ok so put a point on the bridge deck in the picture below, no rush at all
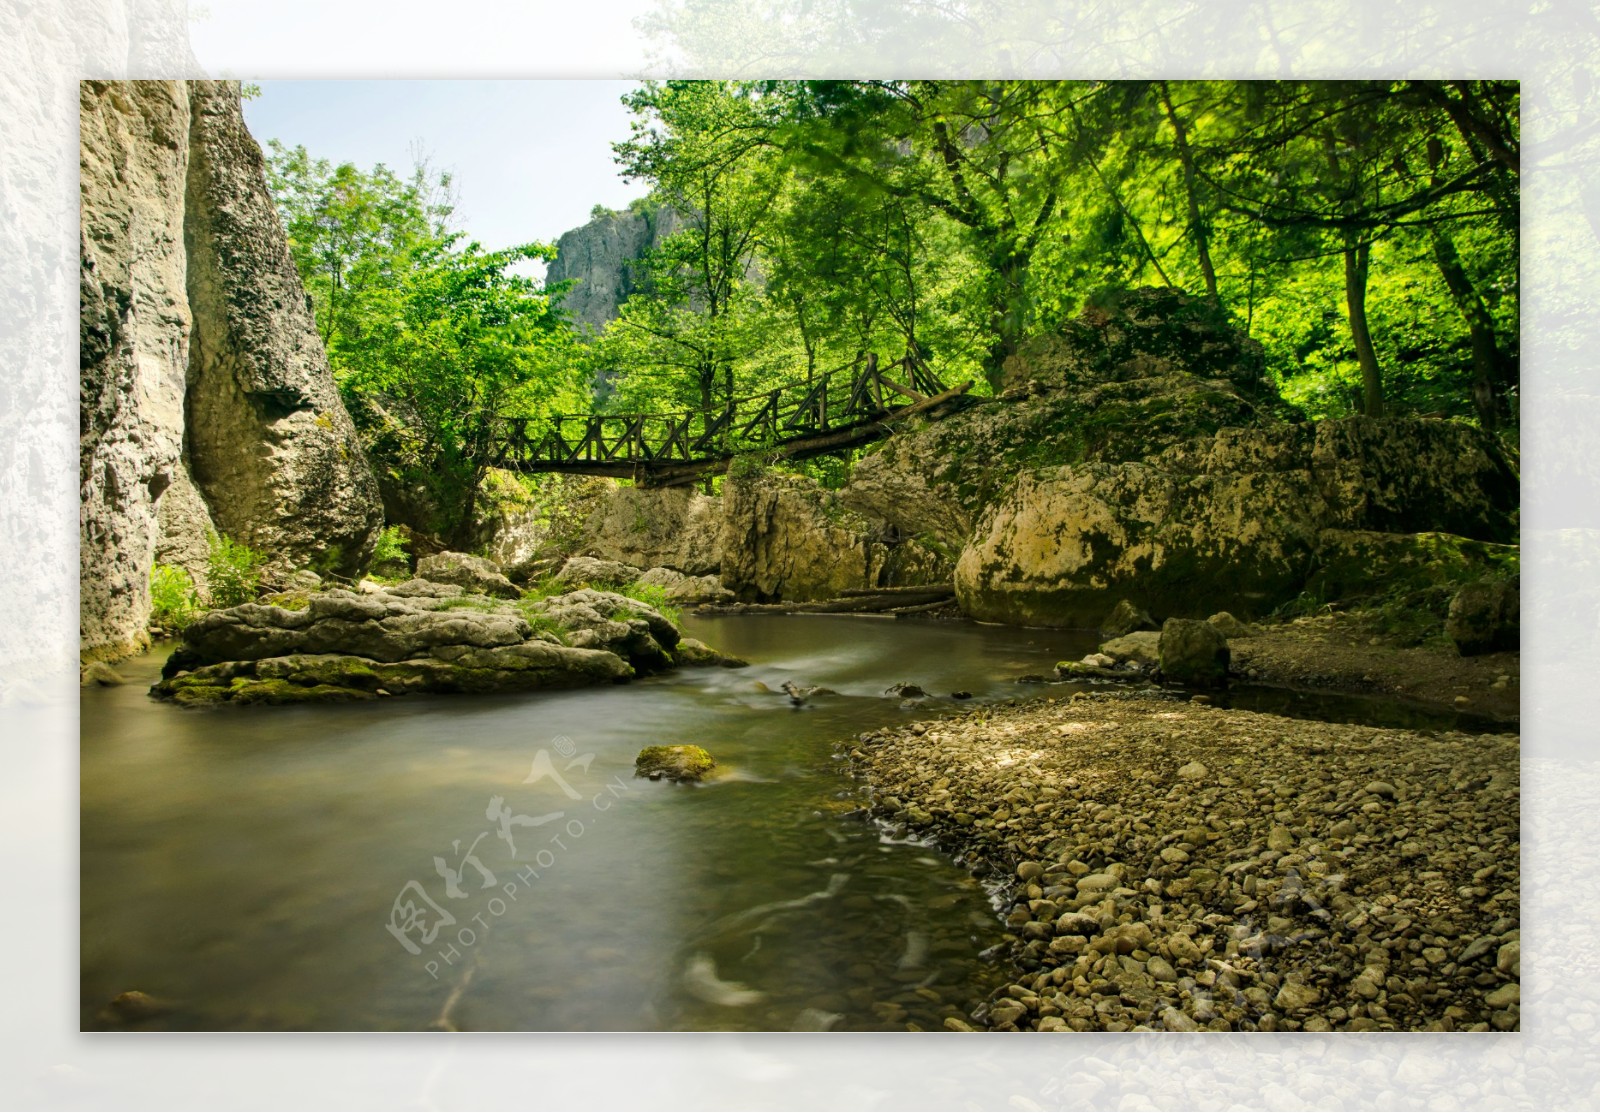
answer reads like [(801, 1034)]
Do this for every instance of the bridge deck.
[(793, 422)]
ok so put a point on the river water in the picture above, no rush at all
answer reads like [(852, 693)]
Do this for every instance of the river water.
[(245, 866)]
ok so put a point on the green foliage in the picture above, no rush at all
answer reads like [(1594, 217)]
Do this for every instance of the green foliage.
[(391, 547), (1364, 232), (436, 342), (233, 571), (174, 603)]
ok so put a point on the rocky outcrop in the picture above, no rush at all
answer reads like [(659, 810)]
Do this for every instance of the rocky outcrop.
[(417, 637), (205, 397), (787, 539), (582, 571), (599, 259), (682, 589), (632, 630), (1486, 616), (1240, 514), (1118, 384), (134, 345), (1194, 653), (653, 527), (269, 443)]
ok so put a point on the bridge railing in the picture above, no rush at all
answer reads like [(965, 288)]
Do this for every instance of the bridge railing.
[(845, 397)]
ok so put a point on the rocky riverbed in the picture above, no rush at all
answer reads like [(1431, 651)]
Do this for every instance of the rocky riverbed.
[(1164, 864)]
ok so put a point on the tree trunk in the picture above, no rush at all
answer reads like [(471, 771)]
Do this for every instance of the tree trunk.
[(1356, 258), (1196, 225), (1488, 366)]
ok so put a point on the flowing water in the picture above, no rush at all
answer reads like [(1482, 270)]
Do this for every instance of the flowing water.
[(244, 866)]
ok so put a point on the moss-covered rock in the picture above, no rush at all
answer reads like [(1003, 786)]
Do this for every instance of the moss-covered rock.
[(1485, 617), (1193, 653), (696, 653), (673, 763)]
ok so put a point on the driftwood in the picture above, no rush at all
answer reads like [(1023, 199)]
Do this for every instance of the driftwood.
[(914, 589), (898, 601)]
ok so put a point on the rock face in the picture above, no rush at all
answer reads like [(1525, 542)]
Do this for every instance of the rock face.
[(1241, 512), (269, 442), (673, 527), (580, 570), (599, 258), (687, 589), (134, 345), (205, 397), (787, 539), (349, 646)]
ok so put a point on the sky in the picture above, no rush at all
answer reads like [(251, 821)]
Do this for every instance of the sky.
[(530, 158)]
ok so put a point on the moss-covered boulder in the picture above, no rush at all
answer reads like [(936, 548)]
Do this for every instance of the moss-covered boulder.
[(1486, 617), (1125, 618), (684, 764)]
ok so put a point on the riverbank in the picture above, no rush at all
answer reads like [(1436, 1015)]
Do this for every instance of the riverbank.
[(1172, 865), (1348, 653)]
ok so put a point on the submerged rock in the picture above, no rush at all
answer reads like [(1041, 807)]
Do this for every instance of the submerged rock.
[(674, 763), (1193, 653), (693, 652), (100, 673)]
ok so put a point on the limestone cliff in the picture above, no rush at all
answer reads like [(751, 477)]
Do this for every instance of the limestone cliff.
[(674, 527), (134, 344), (269, 442), (598, 257), (205, 395)]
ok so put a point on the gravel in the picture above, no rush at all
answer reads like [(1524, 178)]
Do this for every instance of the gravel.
[(1166, 865)]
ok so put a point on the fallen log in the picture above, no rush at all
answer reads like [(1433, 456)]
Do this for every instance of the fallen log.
[(862, 604), (914, 589)]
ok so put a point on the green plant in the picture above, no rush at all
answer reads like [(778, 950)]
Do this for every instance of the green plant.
[(174, 603), (750, 465), (391, 547), (233, 571), (655, 597)]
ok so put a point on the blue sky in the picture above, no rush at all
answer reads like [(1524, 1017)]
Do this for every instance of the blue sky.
[(530, 158)]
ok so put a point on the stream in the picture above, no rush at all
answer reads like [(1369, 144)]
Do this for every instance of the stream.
[(243, 866), (491, 863)]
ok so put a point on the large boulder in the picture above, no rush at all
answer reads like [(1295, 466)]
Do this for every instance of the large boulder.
[(633, 630), (1486, 617), (582, 571), (686, 590), (133, 348), (340, 645), (269, 443), (1240, 513), (657, 527), (474, 573), (1193, 652), (1125, 618), (785, 538)]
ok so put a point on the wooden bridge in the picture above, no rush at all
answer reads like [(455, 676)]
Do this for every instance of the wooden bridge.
[(839, 409)]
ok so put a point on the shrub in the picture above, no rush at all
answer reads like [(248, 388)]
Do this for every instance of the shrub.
[(233, 571), (173, 600), (391, 547)]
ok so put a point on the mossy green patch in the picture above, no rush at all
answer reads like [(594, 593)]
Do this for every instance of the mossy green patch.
[(673, 763)]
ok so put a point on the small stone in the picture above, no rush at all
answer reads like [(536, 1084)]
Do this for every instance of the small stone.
[(1296, 995), (1194, 771), (1027, 871), (956, 1024), (1160, 969), (1508, 994), (1508, 960), (1364, 987), (1280, 838), (1174, 1020), (1380, 788)]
